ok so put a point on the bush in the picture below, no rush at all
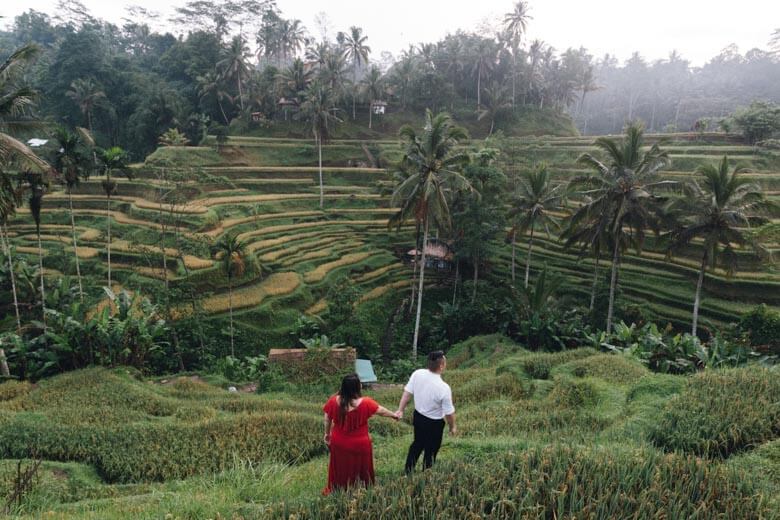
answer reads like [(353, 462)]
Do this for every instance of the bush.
[(762, 326), (480, 351), (500, 386), (538, 366), (553, 482), (721, 413), (571, 393), (609, 367), (12, 389)]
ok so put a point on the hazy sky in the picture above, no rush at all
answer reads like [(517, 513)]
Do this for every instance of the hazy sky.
[(698, 29)]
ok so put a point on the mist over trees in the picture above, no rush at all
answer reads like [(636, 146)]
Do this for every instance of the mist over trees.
[(130, 84)]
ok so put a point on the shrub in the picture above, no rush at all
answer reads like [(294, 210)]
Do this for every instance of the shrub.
[(538, 366), (480, 350), (762, 326), (721, 413), (573, 393), (12, 389), (553, 482), (609, 367), (505, 385)]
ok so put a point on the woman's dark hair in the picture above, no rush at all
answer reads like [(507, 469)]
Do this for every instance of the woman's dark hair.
[(350, 389)]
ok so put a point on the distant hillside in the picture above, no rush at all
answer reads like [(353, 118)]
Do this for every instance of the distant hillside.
[(527, 121)]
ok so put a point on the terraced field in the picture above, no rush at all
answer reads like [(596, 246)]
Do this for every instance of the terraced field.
[(266, 191)]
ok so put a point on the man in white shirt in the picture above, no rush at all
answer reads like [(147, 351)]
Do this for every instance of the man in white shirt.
[(433, 405)]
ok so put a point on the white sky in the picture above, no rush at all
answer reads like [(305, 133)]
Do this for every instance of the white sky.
[(698, 29)]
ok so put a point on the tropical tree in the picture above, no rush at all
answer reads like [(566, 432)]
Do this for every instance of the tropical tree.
[(234, 64), (516, 23), (72, 163), (717, 208), (36, 184), (232, 254), (355, 49), (484, 62), (435, 166), (532, 207), (113, 160), (494, 104), (619, 192), (88, 96), (373, 86), (212, 83), (318, 110), (15, 100), (291, 36), (592, 238), (293, 79)]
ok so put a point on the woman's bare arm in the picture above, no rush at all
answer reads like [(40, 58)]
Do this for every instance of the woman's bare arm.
[(327, 423), (384, 412)]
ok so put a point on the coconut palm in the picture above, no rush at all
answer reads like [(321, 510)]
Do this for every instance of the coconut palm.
[(494, 103), (484, 61), (435, 166), (355, 49), (36, 185), (592, 237), (717, 208), (234, 63), (232, 254), (72, 164), (293, 79), (516, 23), (532, 208), (373, 86), (87, 95), (113, 160), (619, 192), (212, 83), (318, 110), (292, 36)]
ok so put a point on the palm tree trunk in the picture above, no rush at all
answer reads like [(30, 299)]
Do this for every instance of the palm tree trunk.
[(528, 257), (370, 115), (420, 293), (476, 278), (240, 94), (595, 284), (219, 102), (354, 90), (514, 74), (416, 264), (319, 147), (7, 247), (492, 122), (479, 87), (108, 237), (43, 289), (75, 244), (230, 306), (455, 285), (514, 249), (612, 284), (697, 299)]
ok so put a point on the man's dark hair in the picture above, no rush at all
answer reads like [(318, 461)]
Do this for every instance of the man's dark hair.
[(435, 360)]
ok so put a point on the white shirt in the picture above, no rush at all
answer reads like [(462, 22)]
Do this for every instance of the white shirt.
[(432, 396)]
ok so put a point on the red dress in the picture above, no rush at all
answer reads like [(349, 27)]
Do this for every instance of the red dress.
[(351, 453)]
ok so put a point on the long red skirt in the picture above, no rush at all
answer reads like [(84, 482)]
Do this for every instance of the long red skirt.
[(351, 462)]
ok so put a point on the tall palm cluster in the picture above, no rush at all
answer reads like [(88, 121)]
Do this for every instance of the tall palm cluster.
[(604, 213)]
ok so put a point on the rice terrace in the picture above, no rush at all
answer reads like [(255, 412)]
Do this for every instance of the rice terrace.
[(213, 213)]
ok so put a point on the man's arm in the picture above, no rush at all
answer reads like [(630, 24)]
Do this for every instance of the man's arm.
[(451, 422), (405, 398)]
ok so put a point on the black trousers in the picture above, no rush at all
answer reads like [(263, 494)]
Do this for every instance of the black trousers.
[(427, 438)]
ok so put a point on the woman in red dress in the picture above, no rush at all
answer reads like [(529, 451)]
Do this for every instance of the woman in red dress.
[(346, 434)]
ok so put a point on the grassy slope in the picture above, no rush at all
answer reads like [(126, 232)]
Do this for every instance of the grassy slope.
[(510, 403)]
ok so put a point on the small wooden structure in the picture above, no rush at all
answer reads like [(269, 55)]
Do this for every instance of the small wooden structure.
[(438, 255), (378, 107), (257, 117), (287, 104)]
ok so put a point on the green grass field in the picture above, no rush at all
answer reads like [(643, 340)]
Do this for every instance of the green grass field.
[(573, 434)]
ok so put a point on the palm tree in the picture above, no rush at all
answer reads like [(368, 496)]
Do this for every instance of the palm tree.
[(484, 60), (113, 159), (87, 95), (72, 164), (291, 37), (355, 48), (318, 111), (494, 104), (717, 210), (592, 237), (536, 52), (533, 204), (212, 83), (15, 100), (619, 193), (515, 24), (234, 63), (36, 185), (435, 165), (373, 87), (293, 79), (232, 254)]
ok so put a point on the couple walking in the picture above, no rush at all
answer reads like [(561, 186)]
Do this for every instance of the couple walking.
[(346, 424)]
